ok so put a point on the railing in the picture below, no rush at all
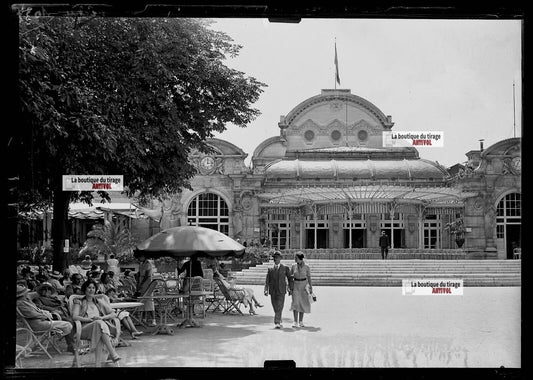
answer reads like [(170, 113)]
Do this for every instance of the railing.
[(375, 253)]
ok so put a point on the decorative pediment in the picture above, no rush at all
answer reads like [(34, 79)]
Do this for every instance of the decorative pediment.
[(363, 125)]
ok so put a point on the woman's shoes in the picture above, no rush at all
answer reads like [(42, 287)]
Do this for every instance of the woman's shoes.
[(135, 334), (301, 324), (116, 358), (258, 305), (252, 312), (295, 324)]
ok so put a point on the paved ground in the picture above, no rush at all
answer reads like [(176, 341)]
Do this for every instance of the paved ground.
[(349, 327)]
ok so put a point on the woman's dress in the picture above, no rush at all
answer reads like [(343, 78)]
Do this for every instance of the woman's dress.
[(300, 297), (93, 330)]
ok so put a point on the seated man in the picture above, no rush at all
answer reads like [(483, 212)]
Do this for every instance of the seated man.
[(47, 299), (40, 320), (129, 284), (248, 292), (76, 280)]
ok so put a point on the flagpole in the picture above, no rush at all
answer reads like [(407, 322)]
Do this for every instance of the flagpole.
[(514, 113), (335, 72)]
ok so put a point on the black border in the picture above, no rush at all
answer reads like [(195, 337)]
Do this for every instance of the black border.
[(276, 12)]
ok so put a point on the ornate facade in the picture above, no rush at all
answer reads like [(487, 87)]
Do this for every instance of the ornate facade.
[(326, 181)]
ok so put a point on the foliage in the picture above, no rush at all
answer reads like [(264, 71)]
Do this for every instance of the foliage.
[(256, 254), (456, 228), (103, 95), (109, 238)]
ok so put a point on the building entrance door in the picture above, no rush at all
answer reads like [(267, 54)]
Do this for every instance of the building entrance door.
[(322, 238), (398, 238), (513, 239), (358, 238)]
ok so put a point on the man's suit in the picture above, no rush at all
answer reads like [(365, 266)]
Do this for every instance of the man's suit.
[(276, 285)]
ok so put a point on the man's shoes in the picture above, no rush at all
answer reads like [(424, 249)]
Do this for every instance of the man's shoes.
[(278, 326), (302, 324), (258, 305)]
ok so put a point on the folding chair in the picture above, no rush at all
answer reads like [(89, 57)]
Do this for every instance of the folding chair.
[(39, 340), (82, 345), (157, 286), (232, 297), (23, 344), (216, 299)]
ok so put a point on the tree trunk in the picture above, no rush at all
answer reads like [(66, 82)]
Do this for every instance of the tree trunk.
[(59, 226)]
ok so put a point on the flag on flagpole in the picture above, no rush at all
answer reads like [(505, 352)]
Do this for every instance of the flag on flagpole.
[(337, 77)]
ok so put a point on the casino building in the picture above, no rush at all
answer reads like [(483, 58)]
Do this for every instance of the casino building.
[(327, 182)]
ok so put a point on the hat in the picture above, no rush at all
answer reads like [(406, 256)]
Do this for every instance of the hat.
[(43, 286), (21, 290), (276, 253), (55, 274)]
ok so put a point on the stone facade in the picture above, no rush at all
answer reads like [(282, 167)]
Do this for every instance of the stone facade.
[(334, 141)]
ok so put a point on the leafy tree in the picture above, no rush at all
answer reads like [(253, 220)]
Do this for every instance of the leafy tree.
[(121, 96)]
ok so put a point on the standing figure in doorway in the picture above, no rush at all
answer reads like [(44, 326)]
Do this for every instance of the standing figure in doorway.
[(384, 244), (277, 279)]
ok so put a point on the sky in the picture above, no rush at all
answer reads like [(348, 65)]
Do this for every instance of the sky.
[(454, 76)]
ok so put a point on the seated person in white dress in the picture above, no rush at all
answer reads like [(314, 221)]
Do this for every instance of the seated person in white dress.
[(123, 315), (95, 313), (248, 292)]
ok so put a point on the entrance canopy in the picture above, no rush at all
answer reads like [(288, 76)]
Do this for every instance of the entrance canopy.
[(300, 196)]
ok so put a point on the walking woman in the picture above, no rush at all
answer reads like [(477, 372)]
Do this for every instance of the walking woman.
[(301, 274)]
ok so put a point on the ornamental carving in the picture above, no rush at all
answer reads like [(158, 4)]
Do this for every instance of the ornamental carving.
[(512, 165)]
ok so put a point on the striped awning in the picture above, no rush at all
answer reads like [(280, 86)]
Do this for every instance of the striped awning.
[(96, 211), (434, 196)]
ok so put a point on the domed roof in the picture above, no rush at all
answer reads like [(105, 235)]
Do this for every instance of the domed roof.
[(356, 169)]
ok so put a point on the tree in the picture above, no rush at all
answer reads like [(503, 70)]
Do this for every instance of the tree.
[(121, 96)]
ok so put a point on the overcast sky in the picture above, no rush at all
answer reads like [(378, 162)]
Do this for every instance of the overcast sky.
[(454, 76)]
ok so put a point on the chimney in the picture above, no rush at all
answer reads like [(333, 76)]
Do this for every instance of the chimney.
[(481, 145)]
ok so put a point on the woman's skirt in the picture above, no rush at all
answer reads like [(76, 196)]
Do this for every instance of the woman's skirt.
[(300, 298), (94, 330)]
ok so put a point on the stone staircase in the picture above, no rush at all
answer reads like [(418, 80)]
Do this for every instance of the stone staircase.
[(391, 272)]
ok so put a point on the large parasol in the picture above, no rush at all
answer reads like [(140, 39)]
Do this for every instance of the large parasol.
[(186, 241)]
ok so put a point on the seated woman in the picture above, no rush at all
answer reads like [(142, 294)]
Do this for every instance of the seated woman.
[(47, 299), (248, 293), (95, 314), (123, 315)]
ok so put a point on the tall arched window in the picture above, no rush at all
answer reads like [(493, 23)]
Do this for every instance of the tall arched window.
[(508, 222), (210, 211)]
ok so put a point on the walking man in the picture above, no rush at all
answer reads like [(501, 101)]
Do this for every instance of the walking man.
[(277, 279), (384, 244)]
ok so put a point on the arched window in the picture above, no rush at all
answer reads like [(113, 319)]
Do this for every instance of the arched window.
[(508, 222), (210, 211)]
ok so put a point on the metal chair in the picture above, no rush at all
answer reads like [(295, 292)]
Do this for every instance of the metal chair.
[(197, 285)]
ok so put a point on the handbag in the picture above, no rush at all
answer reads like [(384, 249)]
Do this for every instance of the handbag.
[(311, 295)]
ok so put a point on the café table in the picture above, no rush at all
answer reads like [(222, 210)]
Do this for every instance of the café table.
[(165, 303), (189, 321)]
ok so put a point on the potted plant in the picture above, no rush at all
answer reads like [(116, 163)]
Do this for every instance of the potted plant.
[(457, 228)]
